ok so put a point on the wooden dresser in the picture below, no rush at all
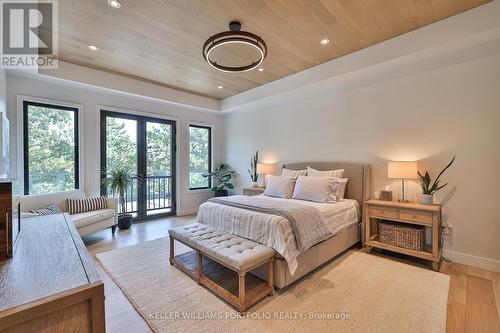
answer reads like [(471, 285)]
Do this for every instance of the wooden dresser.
[(51, 284)]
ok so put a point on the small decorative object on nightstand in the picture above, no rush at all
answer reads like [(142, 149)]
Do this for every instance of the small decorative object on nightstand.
[(416, 214), (251, 191)]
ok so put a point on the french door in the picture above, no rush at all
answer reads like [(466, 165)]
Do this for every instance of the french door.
[(146, 147)]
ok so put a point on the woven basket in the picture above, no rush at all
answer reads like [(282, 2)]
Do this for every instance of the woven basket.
[(403, 235)]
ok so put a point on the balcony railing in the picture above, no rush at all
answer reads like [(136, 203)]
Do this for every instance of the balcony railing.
[(158, 194)]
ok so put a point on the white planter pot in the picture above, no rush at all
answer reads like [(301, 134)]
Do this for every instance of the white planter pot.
[(427, 199), (255, 184)]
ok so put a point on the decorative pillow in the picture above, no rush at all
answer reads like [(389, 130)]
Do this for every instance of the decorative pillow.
[(76, 206), (330, 173), (318, 189), (280, 187), (49, 210), (341, 190), (293, 173)]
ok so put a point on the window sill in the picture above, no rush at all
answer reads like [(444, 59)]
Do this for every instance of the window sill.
[(199, 191)]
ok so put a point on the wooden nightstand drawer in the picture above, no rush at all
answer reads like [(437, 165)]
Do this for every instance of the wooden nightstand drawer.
[(384, 212), (415, 216)]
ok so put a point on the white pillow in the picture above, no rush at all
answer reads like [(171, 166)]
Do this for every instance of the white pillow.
[(330, 173), (318, 189), (280, 186), (293, 173), (341, 190)]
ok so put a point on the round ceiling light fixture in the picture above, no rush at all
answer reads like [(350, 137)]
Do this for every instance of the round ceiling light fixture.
[(114, 4), (234, 37)]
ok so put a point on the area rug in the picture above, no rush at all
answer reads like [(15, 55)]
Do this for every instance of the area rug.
[(358, 293)]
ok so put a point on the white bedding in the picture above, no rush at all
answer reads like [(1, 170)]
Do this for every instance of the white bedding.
[(338, 216), (276, 231)]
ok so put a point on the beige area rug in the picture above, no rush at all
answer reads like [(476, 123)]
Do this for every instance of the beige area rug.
[(358, 293)]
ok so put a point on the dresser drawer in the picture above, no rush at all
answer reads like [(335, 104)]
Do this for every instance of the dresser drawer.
[(384, 212), (415, 216)]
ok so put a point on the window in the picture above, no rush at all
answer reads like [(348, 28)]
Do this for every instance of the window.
[(50, 138), (200, 156)]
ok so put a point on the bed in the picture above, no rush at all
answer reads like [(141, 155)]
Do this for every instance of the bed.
[(292, 260)]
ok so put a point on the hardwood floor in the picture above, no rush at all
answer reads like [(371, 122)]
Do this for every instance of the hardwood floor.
[(473, 300)]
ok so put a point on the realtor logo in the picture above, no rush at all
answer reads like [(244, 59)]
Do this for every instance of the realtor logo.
[(29, 34)]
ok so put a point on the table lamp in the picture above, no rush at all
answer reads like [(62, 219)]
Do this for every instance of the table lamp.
[(402, 170), (266, 169)]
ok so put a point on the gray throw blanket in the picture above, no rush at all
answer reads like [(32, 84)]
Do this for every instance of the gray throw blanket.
[(308, 225)]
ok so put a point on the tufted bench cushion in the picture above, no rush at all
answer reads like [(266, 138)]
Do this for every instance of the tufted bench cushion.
[(234, 252)]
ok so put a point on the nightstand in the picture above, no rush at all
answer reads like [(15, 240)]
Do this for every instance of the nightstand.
[(251, 191), (414, 213)]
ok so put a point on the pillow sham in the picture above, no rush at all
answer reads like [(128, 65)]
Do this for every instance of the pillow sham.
[(293, 173), (317, 189), (341, 190), (329, 173), (280, 187)]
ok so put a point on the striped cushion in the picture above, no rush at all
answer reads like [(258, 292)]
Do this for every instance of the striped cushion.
[(52, 209), (76, 206)]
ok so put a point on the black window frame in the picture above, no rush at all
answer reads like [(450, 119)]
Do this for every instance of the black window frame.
[(209, 128), (141, 163), (26, 105)]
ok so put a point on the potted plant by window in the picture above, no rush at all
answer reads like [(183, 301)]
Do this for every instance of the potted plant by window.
[(119, 180), (253, 170), (428, 190), (221, 180)]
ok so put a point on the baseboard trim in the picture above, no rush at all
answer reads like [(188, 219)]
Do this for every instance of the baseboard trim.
[(468, 259), (187, 212)]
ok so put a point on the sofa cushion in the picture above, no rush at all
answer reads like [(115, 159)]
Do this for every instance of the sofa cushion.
[(87, 218), (35, 201)]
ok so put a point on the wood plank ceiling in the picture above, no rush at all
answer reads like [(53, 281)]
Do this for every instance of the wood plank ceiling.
[(161, 41)]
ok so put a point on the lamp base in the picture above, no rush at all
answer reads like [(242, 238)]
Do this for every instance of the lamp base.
[(403, 201)]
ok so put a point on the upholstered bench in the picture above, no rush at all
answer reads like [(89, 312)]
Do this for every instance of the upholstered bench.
[(238, 254)]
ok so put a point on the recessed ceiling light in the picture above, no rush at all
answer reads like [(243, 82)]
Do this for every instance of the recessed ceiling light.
[(220, 87), (260, 69), (324, 41), (93, 47), (114, 3)]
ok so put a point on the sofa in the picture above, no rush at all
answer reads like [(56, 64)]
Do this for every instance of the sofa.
[(87, 222)]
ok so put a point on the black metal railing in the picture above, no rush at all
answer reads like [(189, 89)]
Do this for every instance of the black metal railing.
[(158, 194)]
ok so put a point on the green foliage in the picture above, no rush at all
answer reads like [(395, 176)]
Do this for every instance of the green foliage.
[(119, 180), (222, 177), (199, 157), (51, 142), (425, 181), (253, 167)]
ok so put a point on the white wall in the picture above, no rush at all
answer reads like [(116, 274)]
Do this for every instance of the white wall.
[(90, 98), (427, 109)]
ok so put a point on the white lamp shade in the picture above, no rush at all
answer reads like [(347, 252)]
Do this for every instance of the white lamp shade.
[(402, 169), (266, 168)]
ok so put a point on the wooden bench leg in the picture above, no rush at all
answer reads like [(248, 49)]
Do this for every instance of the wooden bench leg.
[(171, 258), (270, 276), (241, 294), (200, 266)]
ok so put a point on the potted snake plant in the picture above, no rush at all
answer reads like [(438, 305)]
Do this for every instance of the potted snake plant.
[(428, 190), (254, 176), (118, 180)]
